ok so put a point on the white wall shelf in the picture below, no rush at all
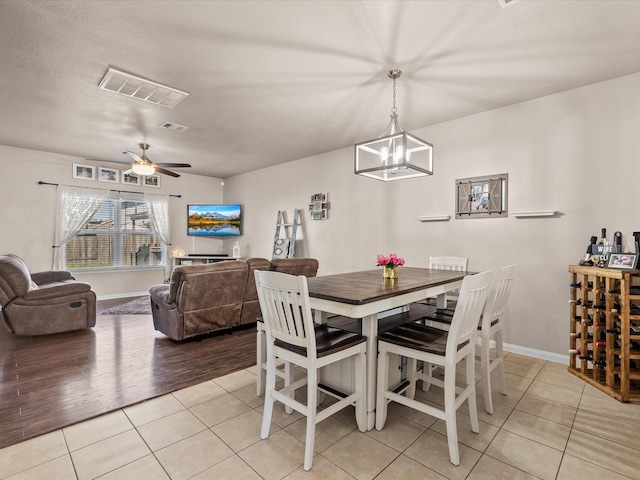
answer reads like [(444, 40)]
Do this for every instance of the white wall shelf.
[(544, 213), (437, 218)]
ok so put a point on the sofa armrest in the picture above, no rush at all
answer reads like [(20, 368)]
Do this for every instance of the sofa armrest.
[(42, 278), (56, 291), (161, 294)]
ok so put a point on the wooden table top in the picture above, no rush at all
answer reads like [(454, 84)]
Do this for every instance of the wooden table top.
[(358, 288)]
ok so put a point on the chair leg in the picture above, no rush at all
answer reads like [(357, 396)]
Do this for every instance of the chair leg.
[(412, 365), (450, 413), (471, 384), (288, 380), (361, 403), (485, 363), (261, 359), (267, 412), (500, 359), (383, 380), (428, 370), (312, 402)]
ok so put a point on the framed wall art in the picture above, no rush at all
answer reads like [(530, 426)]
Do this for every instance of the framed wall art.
[(319, 206), (130, 178), (482, 197), (85, 172), (151, 181), (108, 175)]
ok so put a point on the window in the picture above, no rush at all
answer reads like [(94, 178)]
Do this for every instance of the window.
[(118, 235)]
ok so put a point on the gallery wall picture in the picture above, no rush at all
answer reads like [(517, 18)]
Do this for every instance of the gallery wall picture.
[(110, 175), (130, 178), (151, 181), (84, 172)]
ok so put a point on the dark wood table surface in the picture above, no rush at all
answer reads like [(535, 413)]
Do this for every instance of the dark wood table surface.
[(358, 288)]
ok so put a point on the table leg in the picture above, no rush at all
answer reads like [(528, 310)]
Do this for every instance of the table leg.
[(370, 330), (441, 301)]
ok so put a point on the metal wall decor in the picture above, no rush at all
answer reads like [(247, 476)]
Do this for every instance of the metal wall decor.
[(482, 197)]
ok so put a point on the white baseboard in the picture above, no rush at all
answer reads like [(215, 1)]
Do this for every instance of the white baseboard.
[(122, 295), (532, 352)]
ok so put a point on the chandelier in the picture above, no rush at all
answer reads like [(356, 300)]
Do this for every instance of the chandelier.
[(395, 154)]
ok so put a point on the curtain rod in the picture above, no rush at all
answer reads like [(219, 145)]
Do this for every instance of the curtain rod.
[(111, 190)]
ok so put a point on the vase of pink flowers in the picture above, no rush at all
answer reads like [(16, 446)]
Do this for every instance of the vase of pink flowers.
[(390, 265)]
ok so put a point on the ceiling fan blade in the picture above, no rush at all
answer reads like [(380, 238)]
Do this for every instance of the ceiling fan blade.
[(135, 156), (166, 172), (174, 165)]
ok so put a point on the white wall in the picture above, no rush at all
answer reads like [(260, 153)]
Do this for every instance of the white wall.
[(27, 214), (575, 152)]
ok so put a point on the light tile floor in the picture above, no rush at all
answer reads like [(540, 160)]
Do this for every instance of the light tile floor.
[(552, 425)]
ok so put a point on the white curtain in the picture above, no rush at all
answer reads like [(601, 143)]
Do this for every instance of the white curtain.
[(76, 205), (158, 206)]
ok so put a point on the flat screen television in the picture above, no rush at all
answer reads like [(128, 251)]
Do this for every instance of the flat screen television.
[(214, 220)]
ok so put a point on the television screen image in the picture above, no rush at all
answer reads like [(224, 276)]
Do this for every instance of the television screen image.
[(221, 220)]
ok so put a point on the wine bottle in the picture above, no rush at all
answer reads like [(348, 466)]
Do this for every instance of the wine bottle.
[(603, 238), (633, 330), (579, 284)]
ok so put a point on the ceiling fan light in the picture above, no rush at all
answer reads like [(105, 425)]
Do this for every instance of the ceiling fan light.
[(140, 169)]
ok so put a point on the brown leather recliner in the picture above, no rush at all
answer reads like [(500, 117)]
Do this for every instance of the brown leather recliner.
[(251, 306), (43, 302), (295, 266), (199, 299)]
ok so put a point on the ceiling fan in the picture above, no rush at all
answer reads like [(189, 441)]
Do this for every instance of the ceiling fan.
[(143, 166)]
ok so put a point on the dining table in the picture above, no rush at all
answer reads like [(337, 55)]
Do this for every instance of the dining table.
[(368, 296)]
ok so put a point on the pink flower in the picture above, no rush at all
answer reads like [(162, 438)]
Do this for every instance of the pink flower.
[(392, 260)]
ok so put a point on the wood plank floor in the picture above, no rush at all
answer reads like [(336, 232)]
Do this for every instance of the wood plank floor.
[(51, 381)]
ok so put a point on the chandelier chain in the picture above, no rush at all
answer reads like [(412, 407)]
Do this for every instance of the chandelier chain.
[(394, 110)]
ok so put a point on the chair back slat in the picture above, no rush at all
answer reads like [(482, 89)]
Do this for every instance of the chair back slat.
[(285, 308), (498, 297), (449, 263), (473, 296)]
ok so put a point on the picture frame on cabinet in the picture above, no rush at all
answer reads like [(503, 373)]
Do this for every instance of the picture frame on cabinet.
[(84, 172), (622, 261), (110, 175)]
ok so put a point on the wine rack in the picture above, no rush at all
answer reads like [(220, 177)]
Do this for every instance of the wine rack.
[(604, 329)]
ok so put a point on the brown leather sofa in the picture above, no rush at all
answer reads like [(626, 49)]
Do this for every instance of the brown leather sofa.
[(202, 299), (44, 302)]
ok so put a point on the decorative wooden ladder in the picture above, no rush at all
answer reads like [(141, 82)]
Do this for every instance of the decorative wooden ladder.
[(285, 247)]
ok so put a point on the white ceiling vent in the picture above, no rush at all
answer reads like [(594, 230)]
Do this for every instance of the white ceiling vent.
[(142, 89), (174, 127), (506, 3)]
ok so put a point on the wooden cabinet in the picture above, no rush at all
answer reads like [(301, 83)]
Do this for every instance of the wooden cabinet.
[(604, 343)]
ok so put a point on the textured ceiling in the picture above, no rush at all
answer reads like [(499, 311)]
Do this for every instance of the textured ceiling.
[(271, 81)]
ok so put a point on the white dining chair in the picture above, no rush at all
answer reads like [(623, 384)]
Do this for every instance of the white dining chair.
[(443, 348), (491, 330), (458, 264), (292, 336), (491, 327)]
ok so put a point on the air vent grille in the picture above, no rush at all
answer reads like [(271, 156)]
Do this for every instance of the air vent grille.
[(174, 127), (136, 87)]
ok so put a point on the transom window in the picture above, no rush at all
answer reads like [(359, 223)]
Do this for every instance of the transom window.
[(118, 235)]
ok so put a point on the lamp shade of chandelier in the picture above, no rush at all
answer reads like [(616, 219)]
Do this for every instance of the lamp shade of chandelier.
[(395, 154)]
